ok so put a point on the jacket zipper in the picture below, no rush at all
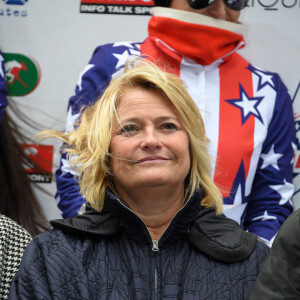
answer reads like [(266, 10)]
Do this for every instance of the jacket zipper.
[(155, 282), (154, 242), (155, 247)]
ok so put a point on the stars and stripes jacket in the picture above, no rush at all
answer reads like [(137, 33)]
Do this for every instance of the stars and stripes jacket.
[(247, 113)]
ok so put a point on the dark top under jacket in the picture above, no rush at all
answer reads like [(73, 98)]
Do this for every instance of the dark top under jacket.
[(110, 255)]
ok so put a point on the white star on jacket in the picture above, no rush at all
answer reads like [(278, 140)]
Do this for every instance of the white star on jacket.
[(235, 211), (87, 67), (66, 168), (264, 78), (122, 58), (1, 69), (286, 191), (294, 148), (265, 217), (133, 50), (70, 120), (126, 44), (271, 158), (248, 105)]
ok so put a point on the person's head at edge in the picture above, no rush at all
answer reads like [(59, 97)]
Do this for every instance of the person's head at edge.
[(144, 114), (218, 9)]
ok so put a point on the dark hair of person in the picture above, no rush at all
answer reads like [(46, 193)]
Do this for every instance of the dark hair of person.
[(17, 198)]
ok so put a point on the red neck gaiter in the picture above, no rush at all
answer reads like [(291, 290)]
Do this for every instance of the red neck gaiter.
[(196, 38)]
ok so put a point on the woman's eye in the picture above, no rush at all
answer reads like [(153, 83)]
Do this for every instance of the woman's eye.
[(169, 126), (128, 129)]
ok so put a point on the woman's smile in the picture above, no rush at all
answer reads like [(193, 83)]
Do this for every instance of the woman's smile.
[(152, 159)]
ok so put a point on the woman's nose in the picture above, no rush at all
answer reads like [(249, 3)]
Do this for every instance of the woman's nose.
[(150, 139)]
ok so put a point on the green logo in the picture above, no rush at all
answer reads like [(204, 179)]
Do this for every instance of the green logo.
[(22, 74)]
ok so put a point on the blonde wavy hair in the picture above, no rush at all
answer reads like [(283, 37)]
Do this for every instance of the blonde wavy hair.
[(88, 146)]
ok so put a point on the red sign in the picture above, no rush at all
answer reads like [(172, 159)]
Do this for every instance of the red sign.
[(120, 7), (42, 161)]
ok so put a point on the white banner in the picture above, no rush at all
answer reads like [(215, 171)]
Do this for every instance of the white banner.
[(57, 39)]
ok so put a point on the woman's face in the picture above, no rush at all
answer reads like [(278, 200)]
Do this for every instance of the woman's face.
[(217, 10), (149, 146)]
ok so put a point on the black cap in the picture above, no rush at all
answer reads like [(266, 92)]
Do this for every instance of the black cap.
[(163, 3)]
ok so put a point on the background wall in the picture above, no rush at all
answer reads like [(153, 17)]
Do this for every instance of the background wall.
[(56, 39)]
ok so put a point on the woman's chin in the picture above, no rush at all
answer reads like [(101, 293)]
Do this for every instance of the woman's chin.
[(155, 181)]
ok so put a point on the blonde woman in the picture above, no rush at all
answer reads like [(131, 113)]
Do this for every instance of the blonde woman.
[(154, 228)]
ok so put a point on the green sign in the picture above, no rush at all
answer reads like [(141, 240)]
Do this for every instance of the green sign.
[(22, 74)]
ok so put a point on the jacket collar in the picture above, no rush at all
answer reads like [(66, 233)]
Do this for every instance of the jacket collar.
[(136, 227), (89, 223), (198, 37), (221, 238), (116, 216), (217, 237)]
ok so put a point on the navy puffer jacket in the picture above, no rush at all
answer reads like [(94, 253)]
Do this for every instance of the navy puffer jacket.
[(111, 255)]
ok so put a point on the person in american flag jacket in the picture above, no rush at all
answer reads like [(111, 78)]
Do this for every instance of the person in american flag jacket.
[(247, 110)]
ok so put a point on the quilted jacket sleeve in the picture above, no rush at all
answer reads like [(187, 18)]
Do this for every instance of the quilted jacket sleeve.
[(54, 266), (31, 281)]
